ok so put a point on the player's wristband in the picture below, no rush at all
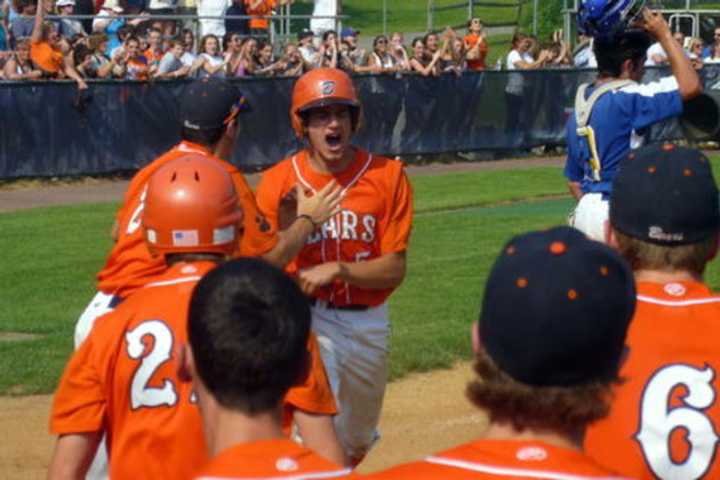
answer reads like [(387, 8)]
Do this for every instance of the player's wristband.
[(308, 218)]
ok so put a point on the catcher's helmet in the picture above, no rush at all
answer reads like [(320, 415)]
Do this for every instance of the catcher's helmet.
[(606, 18), (321, 87), (191, 206)]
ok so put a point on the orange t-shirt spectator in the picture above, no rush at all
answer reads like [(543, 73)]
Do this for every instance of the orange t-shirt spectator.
[(258, 9), (46, 49), (475, 45)]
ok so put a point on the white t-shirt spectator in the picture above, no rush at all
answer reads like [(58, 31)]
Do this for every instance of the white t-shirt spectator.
[(585, 58), (214, 62), (515, 82), (655, 50), (188, 59), (213, 8), (169, 63), (323, 8), (309, 54)]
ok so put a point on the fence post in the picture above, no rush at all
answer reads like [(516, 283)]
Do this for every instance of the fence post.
[(385, 18), (430, 9), (471, 9), (535, 15)]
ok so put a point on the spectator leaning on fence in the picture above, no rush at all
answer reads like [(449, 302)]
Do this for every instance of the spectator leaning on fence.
[(476, 46), (396, 48), (211, 62), (420, 63), (155, 51), (329, 50), (307, 50), (234, 45), (453, 60), (50, 52), (171, 64), (19, 66), (293, 64), (380, 59), (100, 65)]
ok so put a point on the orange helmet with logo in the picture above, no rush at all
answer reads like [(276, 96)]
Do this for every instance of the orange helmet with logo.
[(321, 87), (191, 206)]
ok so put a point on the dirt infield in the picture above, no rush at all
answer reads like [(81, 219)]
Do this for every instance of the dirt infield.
[(24, 195), (422, 414)]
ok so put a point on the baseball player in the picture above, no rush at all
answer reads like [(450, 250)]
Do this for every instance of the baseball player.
[(352, 262), (665, 418), (547, 354), (208, 111), (124, 379), (612, 114), (242, 367)]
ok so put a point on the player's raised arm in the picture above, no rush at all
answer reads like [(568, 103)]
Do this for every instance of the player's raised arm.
[(689, 84)]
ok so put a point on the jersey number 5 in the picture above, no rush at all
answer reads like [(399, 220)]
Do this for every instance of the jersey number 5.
[(658, 421), (141, 395)]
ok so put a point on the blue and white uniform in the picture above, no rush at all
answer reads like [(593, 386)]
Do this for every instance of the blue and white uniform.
[(616, 125)]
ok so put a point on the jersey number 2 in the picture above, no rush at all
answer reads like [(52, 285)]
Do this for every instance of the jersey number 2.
[(141, 395), (658, 420)]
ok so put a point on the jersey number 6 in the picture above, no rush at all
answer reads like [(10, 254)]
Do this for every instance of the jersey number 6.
[(658, 421)]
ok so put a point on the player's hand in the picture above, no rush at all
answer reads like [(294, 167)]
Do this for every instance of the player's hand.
[(321, 206), (318, 276), (655, 23)]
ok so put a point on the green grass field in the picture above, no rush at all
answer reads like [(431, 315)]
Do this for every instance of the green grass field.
[(462, 221), (411, 15)]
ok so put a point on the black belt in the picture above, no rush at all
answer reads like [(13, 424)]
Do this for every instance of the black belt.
[(316, 302)]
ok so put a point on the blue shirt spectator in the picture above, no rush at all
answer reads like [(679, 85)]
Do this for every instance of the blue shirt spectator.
[(619, 119)]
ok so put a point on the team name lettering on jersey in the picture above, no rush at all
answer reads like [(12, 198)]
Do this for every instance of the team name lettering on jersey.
[(347, 225)]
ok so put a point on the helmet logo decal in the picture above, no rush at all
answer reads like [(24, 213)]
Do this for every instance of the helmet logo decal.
[(327, 87)]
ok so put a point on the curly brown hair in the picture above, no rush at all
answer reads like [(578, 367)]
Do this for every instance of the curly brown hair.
[(565, 410)]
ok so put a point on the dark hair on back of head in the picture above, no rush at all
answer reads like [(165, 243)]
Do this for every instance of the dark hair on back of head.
[(612, 53), (248, 328), (206, 136)]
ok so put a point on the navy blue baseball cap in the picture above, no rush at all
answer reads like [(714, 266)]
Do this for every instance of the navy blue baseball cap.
[(210, 103), (666, 195), (348, 32), (556, 309)]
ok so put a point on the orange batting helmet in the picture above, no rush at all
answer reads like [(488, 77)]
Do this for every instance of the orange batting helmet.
[(321, 87), (191, 206)]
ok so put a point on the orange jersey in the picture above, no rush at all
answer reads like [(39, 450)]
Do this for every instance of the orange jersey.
[(471, 40), (124, 379), (375, 220), (277, 459), (486, 459), (153, 56), (265, 8), (130, 265), (665, 417)]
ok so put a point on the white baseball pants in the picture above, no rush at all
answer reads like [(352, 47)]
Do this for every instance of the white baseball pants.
[(354, 348), (590, 215)]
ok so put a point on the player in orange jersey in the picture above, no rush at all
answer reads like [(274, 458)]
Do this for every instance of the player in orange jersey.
[(123, 380), (351, 263), (243, 365), (208, 110), (665, 417), (548, 350)]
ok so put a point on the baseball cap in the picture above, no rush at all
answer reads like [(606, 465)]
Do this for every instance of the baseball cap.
[(556, 309), (666, 195), (112, 5), (65, 3), (209, 103), (304, 33), (348, 32)]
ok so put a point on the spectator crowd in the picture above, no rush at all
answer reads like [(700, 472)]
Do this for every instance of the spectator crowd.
[(128, 41)]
